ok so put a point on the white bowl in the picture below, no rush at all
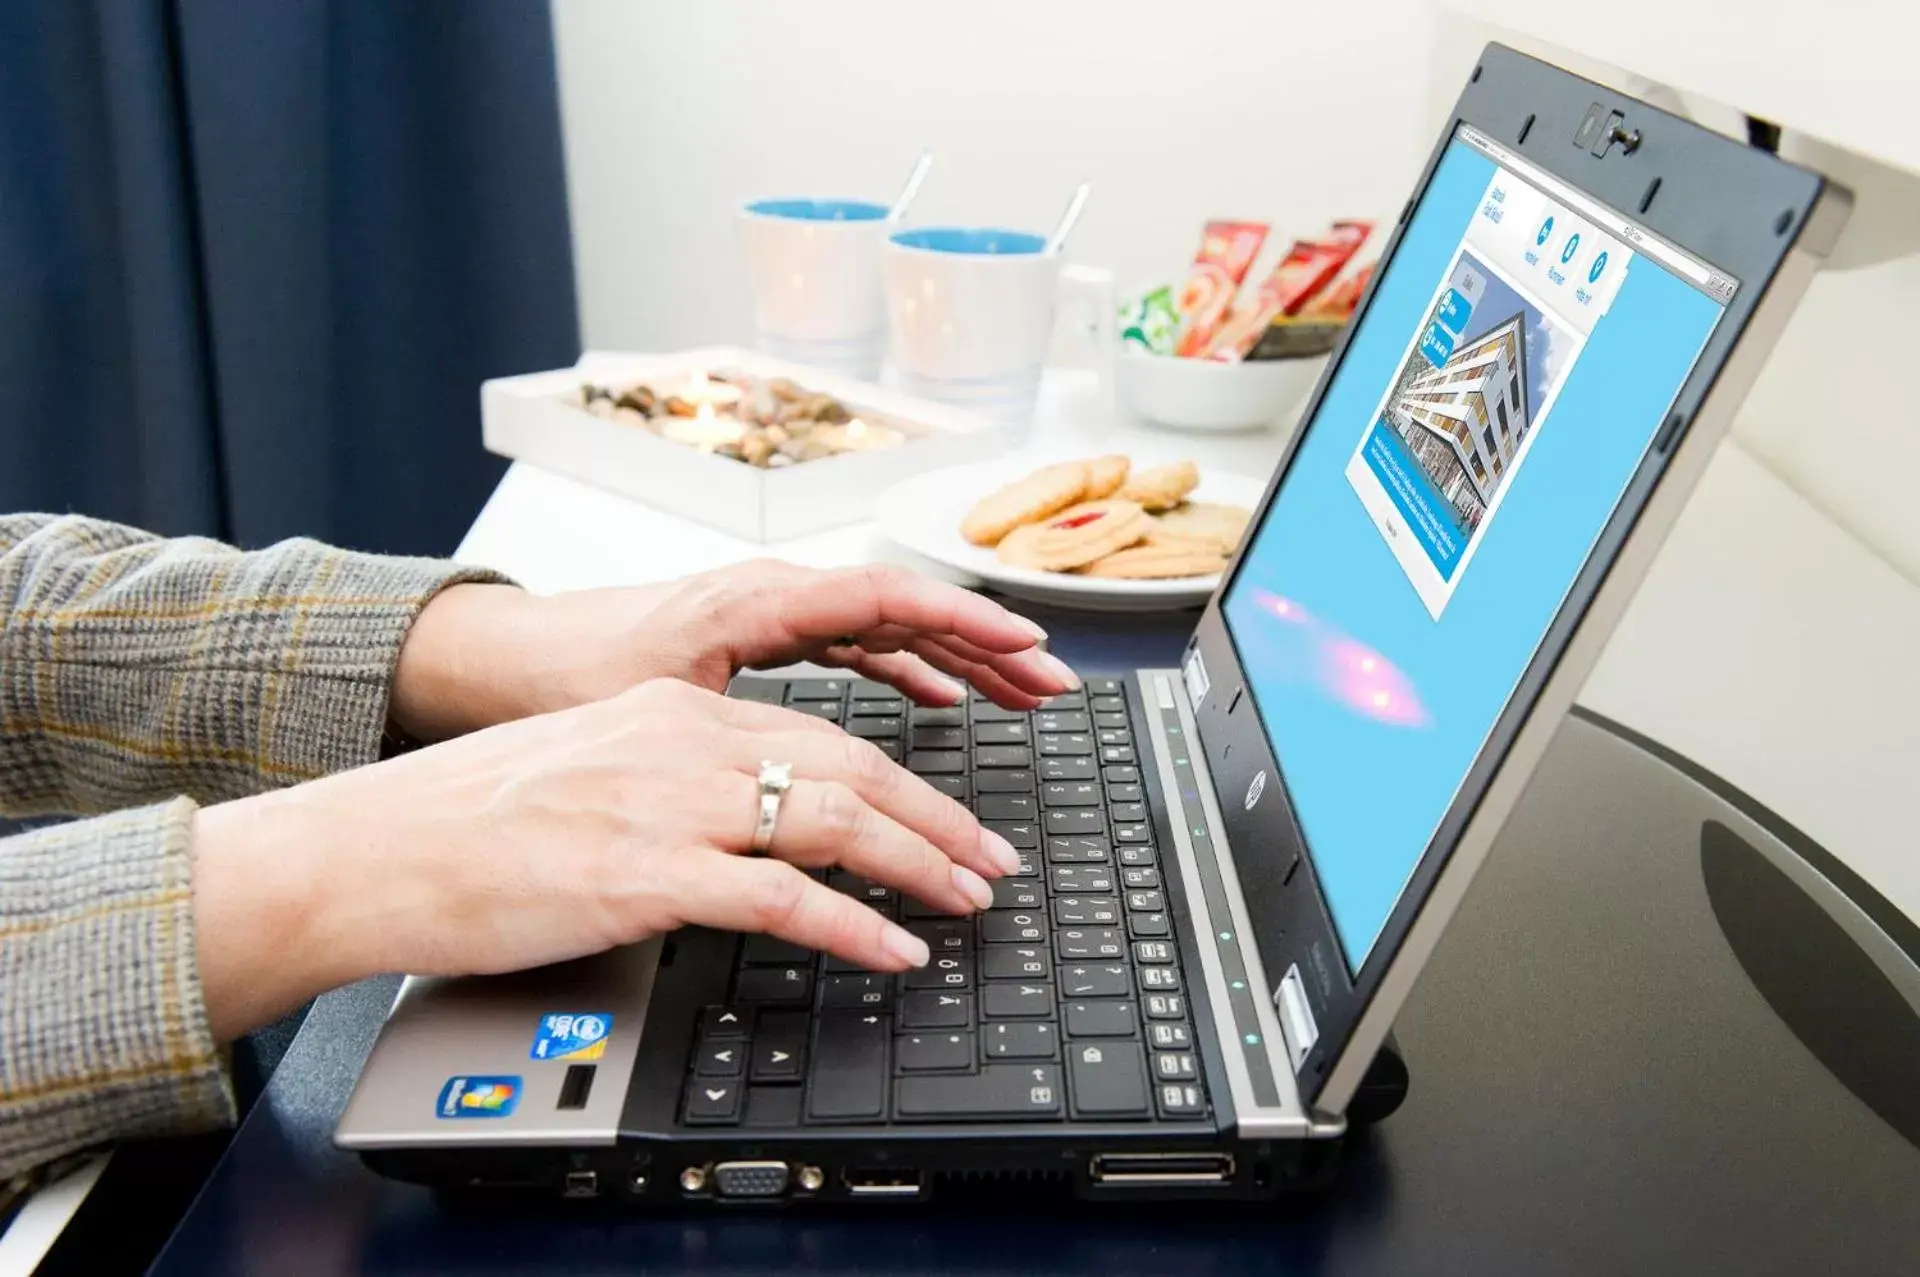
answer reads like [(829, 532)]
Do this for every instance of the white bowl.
[(1206, 395)]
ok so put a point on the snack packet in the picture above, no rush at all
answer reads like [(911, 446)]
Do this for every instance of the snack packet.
[(1307, 268), (1340, 301), (1227, 250), (1151, 323)]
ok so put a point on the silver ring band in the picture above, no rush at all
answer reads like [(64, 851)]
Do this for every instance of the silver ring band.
[(775, 780)]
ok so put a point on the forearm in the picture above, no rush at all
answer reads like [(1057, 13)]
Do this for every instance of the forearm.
[(133, 668)]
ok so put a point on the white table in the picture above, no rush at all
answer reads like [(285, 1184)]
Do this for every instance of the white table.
[(1766, 644)]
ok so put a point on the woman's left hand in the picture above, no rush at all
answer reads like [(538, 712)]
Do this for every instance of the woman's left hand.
[(484, 654)]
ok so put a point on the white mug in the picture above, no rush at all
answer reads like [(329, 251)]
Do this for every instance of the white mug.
[(814, 269), (971, 316)]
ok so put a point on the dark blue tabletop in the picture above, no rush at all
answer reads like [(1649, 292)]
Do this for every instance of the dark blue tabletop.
[(1574, 1108)]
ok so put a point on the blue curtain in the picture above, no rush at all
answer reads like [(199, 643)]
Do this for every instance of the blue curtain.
[(256, 259)]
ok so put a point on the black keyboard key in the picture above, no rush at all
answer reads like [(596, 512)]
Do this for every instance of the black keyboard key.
[(933, 1052), (988, 757), (1029, 864), (1076, 699), (1123, 793), (987, 712), (773, 1106), (1106, 980), (1019, 1040), (1175, 1066), (1116, 754), (891, 707), (1065, 744), (1168, 1036), (1136, 854), (1105, 687), (1085, 943), (725, 1022), (1004, 781), (1013, 1000), (1127, 813), (771, 951), (1107, 1079), (848, 1077), (937, 762), (1024, 835), (766, 691), (1078, 850), (1082, 879), (778, 1047), (871, 992), (954, 787), (1075, 820), (1012, 926), (1066, 769), (920, 911), (713, 1101), (1015, 962), (1086, 911), (774, 984), (1071, 720), (1153, 952), (934, 1009), (1165, 1006), (1121, 775), (1146, 901), (829, 710), (1109, 705), (1180, 1100), (1017, 893), (1109, 721), (1159, 979), (862, 889), (1144, 877), (1148, 926), (816, 689), (891, 748), (876, 729), (941, 716), (945, 935), (1070, 793), (1113, 736), (1131, 833), (1002, 1091), (722, 1057), (950, 971), (999, 733), (837, 965), (1006, 807), (939, 738), (1106, 1019), (866, 689)]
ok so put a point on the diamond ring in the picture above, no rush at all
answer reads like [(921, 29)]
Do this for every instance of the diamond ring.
[(775, 780)]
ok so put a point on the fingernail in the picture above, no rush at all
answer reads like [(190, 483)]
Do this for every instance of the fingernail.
[(1059, 669), (906, 946), (955, 693), (1000, 852), (973, 887), (1031, 627)]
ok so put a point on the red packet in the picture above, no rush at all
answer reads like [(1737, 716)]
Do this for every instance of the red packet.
[(1227, 250), (1343, 298), (1308, 267)]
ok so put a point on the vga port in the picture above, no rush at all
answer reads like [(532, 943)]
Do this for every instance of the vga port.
[(750, 1179)]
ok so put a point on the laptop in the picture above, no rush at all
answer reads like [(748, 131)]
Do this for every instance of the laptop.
[(1234, 869)]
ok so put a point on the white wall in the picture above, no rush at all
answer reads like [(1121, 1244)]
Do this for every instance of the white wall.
[(678, 111)]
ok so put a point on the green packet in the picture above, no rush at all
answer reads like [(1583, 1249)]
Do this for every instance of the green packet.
[(1151, 323)]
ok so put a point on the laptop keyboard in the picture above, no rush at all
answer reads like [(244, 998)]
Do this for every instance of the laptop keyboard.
[(1065, 1000)]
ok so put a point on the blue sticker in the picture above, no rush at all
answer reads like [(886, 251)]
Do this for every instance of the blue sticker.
[(572, 1035), (476, 1096)]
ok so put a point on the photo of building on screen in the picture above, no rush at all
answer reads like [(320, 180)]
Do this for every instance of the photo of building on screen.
[(1464, 420)]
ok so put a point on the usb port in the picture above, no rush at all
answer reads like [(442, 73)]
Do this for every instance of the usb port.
[(583, 1184), (1152, 1170), (882, 1183)]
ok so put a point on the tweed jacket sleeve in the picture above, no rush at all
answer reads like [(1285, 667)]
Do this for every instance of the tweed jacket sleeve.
[(138, 676)]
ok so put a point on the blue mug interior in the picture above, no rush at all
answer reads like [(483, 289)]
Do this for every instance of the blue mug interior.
[(820, 210), (984, 242)]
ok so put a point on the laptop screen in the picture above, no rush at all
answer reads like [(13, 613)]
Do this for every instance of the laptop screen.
[(1520, 352)]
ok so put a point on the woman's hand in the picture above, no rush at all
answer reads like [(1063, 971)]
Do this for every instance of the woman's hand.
[(485, 654), (564, 835)]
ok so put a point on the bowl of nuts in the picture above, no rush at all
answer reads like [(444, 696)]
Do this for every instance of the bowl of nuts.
[(736, 440)]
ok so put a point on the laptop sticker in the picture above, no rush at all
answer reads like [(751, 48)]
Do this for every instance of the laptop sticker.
[(474, 1096), (572, 1036)]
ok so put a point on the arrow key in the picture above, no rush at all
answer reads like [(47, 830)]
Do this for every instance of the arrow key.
[(779, 1048), (723, 1057), (713, 1102)]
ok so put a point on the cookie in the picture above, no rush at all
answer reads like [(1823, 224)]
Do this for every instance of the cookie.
[(1158, 561), (1016, 548), (1032, 498), (1162, 487), (1105, 475), (1077, 536), (1203, 521)]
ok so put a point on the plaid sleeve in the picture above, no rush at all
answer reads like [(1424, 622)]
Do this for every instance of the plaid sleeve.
[(134, 668)]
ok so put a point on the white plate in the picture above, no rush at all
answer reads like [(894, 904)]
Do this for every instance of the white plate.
[(923, 515)]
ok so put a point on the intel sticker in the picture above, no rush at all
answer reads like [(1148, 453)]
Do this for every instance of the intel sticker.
[(479, 1097), (575, 1035)]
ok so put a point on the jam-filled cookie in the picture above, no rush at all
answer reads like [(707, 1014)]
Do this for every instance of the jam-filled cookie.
[(1155, 561), (1034, 497), (1077, 536)]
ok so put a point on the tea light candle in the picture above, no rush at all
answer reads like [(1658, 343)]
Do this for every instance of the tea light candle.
[(858, 436), (703, 430)]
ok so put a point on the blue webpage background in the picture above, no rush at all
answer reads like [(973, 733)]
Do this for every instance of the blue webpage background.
[(1369, 795)]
